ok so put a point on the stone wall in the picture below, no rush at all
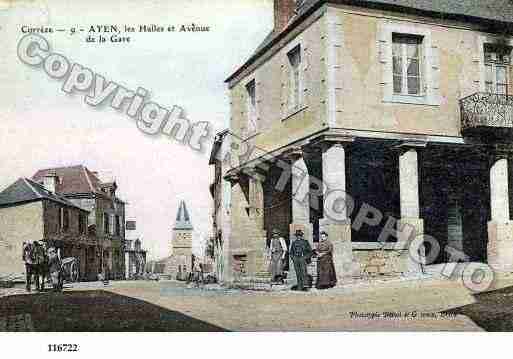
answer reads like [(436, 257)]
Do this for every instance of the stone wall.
[(373, 259), (17, 225), (112, 243)]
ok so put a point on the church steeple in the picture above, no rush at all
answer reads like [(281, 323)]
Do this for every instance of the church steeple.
[(183, 220), (180, 261)]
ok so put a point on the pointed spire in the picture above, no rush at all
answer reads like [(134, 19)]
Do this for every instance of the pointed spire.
[(183, 220)]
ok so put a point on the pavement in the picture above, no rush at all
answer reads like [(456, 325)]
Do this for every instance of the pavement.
[(429, 304)]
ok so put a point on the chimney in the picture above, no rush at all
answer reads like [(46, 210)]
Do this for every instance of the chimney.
[(50, 181), (284, 10)]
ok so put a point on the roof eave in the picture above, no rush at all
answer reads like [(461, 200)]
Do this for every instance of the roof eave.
[(278, 37)]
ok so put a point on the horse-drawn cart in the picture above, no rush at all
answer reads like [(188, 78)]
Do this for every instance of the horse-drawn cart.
[(70, 270)]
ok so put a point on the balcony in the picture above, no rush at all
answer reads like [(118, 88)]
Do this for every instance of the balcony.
[(487, 116)]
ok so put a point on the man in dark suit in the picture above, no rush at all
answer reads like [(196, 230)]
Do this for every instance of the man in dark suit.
[(301, 253)]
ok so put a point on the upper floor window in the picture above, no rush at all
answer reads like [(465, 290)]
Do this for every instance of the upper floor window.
[(295, 78), (106, 223), (118, 226), (251, 108), (65, 219), (407, 68), (82, 223), (497, 67)]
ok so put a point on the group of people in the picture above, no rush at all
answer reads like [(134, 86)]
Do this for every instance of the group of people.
[(301, 254)]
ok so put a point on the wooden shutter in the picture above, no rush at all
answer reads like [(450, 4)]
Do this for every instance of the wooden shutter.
[(478, 61), (306, 81), (259, 99), (284, 70), (111, 224), (385, 56), (243, 110), (435, 69)]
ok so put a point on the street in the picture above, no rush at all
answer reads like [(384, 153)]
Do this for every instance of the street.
[(427, 305)]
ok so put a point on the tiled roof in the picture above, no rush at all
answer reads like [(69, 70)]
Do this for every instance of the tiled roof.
[(496, 10), (75, 180), (25, 190), (500, 11), (183, 220)]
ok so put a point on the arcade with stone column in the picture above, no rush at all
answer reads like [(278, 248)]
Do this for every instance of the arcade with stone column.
[(374, 196)]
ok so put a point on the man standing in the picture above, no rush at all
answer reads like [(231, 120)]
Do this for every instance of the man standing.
[(278, 250), (300, 252)]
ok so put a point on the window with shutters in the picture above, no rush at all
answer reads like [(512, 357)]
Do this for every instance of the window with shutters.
[(497, 68), (251, 108), (294, 99), (82, 223), (111, 222), (65, 219), (106, 223), (407, 64), (118, 226)]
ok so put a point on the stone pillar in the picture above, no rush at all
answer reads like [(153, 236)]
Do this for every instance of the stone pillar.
[(300, 205), (336, 222), (409, 199), (127, 265), (500, 228), (258, 266), (301, 198)]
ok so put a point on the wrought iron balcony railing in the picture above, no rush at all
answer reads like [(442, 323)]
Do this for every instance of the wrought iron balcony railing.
[(485, 110)]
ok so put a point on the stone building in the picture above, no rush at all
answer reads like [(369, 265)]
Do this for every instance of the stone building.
[(381, 110), (181, 259), (135, 259), (106, 211), (220, 191), (28, 213)]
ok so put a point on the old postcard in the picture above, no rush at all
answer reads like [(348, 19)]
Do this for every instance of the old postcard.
[(255, 166)]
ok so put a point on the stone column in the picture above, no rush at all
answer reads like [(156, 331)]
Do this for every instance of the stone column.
[(336, 222), (300, 205), (500, 228), (301, 197), (409, 199), (257, 264), (127, 265)]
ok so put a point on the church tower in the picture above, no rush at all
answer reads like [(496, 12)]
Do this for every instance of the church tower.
[(181, 244)]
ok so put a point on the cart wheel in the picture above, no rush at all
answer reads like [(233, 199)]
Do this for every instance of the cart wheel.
[(74, 272)]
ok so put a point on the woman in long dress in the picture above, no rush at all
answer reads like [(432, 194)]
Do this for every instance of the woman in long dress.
[(326, 276), (278, 250)]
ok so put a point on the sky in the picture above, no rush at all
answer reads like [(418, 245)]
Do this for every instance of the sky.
[(43, 127)]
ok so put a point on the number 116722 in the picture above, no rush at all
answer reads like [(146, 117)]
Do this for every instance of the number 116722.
[(62, 348)]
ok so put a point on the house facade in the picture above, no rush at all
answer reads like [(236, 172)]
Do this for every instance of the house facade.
[(28, 213), (106, 217), (220, 190), (381, 123), (135, 259)]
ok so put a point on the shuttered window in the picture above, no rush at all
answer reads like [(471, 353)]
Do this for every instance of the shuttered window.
[(251, 112), (295, 78), (106, 223)]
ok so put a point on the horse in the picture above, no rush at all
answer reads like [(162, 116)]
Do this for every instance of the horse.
[(36, 264)]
